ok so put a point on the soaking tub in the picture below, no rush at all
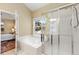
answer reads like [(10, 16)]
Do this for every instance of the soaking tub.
[(30, 45)]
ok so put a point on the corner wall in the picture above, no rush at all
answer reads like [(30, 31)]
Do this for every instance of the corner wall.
[(25, 19)]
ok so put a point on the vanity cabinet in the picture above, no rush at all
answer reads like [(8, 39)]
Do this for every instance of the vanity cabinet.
[(7, 45)]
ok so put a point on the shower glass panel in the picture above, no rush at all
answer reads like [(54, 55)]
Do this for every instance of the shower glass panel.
[(75, 22), (60, 31), (65, 31), (53, 32)]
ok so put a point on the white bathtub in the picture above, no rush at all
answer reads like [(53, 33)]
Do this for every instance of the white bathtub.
[(30, 45)]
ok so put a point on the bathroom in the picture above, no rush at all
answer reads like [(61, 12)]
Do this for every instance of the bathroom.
[(41, 28)]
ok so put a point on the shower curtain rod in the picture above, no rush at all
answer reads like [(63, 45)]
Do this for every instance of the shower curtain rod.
[(61, 7)]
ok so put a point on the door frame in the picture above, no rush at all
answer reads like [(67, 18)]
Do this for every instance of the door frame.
[(15, 13)]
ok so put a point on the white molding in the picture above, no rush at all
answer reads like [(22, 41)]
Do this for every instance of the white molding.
[(17, 28)]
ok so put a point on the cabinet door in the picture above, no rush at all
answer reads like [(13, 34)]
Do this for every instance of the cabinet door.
[(65, 46)]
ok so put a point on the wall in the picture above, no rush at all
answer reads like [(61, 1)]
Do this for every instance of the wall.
[(44, 9), (25, 21), (50, 6)]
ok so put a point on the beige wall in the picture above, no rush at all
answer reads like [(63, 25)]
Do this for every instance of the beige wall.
[(50, 6), (44, 9), (8, 25), (25, 15), (25, 21)]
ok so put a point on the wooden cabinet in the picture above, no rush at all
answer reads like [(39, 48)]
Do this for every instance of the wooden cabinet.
[(7, 45)]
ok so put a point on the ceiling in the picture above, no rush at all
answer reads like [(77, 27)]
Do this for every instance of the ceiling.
[(35, 6)]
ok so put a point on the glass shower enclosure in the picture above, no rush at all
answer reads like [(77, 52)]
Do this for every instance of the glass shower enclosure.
[(63, 31)]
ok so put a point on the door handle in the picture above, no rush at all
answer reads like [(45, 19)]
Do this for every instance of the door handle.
[(51, 39), (58, 40), (42, 37)]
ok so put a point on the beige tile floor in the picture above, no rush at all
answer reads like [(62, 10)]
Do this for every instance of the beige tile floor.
[(21, 52), (11, 52)]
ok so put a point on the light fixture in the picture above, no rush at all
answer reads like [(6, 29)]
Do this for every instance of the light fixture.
[(13, 30), (1, 23)]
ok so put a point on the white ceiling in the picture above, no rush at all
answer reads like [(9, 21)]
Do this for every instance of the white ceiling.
[(35, 6)]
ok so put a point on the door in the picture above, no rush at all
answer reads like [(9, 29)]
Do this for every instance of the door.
[(8, 33), (65, 31), (53, 30), (75, 28), (61, 31)]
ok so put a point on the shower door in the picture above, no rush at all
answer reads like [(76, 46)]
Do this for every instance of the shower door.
[(65, 31), (75, 28), (53, 32), (61, 31), (69, 30)]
